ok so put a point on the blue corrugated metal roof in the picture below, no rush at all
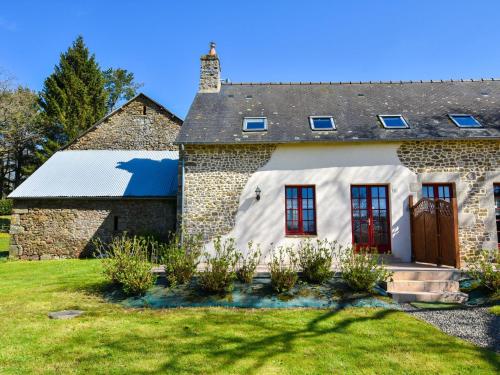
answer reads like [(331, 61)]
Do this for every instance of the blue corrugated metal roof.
[(103, 173)]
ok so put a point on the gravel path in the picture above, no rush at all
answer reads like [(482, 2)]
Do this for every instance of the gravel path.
[(474, 324)]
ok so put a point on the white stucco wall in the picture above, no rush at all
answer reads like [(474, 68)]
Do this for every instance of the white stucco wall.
[(332, 168)]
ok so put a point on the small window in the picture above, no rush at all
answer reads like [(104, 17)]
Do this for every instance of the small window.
[(437, 191), (465, 121), (115, 223), (254, 124), (322, 123), (144, 110), (300, 215), (393, 121)]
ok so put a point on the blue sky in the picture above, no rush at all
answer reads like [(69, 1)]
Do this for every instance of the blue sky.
[(273, 40)]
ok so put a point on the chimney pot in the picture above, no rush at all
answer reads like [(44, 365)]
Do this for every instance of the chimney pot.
[(212, 49)]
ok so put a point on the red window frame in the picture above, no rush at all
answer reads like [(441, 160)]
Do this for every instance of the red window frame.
[(381, 247), (435, 191), (300, 210), (496, 195)]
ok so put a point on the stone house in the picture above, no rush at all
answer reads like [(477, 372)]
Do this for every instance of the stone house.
[(279, 162), (120, 175)]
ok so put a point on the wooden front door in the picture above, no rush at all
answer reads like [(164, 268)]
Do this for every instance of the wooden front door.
[(434, 226), (370, 217)]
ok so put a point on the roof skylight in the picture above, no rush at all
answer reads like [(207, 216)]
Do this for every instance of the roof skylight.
[(322, 122), (254, 124), (393, 121), (465, 121)]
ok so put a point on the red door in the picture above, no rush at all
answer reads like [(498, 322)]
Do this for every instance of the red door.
[(370, 217)]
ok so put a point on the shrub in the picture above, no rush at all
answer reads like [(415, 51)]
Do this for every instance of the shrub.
[(316, 258), (363, 270), (283, 269), (484, 267), (126, 263), (180, 258), (248, 264), (219, 273), (5, 206)]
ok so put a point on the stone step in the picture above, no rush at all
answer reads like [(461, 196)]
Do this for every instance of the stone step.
[(389, 259), (423, 286), (454, 297), (430, 275)]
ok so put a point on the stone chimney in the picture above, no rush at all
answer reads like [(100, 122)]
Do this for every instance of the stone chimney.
[(210, 71)]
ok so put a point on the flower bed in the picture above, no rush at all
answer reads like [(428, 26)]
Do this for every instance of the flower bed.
[(259, 294)]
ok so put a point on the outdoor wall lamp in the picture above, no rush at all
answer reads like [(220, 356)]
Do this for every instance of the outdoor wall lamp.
[(257, 193)]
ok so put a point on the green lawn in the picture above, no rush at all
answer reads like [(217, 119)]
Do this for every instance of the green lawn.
[(4, 245), (111, 339), (4, 237)]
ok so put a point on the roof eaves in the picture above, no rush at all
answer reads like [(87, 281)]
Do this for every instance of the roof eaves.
[(350, 140)]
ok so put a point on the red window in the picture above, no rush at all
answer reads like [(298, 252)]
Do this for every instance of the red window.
[(497, 210), (300, 210), (437, 191)]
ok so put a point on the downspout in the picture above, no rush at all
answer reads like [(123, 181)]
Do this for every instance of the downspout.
[(182, 193)]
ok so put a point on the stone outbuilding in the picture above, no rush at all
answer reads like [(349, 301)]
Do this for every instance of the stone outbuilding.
[(119, 176)]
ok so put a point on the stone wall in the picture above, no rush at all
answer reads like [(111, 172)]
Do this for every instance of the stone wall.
[(213, 181), (473, 166), (209, 74), (139, 125), (64, 228)]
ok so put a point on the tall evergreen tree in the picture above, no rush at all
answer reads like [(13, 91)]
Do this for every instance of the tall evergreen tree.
[(73, 97)]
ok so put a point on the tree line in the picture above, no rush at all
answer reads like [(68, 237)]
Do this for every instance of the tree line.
[(34, 125)]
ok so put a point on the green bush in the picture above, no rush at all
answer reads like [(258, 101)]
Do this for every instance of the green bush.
[(180, 258), (248, 264), (363, 270), (484, 267), (316, 258), (126, 263), (219, 273), (283, 269), (5, 206)]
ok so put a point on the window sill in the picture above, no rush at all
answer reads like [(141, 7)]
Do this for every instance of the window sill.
[(301, 235)]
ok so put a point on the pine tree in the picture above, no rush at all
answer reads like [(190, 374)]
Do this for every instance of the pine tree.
[(73, 97)]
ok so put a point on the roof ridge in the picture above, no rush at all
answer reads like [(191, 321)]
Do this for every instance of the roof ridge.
[(227, 82)]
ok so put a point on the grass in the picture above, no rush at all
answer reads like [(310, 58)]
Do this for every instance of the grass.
[(4, 246), (4, 238), (495, 310), (110, 339)]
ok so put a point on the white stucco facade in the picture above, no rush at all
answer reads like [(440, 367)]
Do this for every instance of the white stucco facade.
[(332, 169)]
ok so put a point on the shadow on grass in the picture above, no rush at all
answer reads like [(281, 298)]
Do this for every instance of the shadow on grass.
[(224, 350), (105, 290), (4, 255), (262, 351)]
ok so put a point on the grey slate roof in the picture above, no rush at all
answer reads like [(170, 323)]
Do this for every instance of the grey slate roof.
[(103, 173), (218, 117)]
